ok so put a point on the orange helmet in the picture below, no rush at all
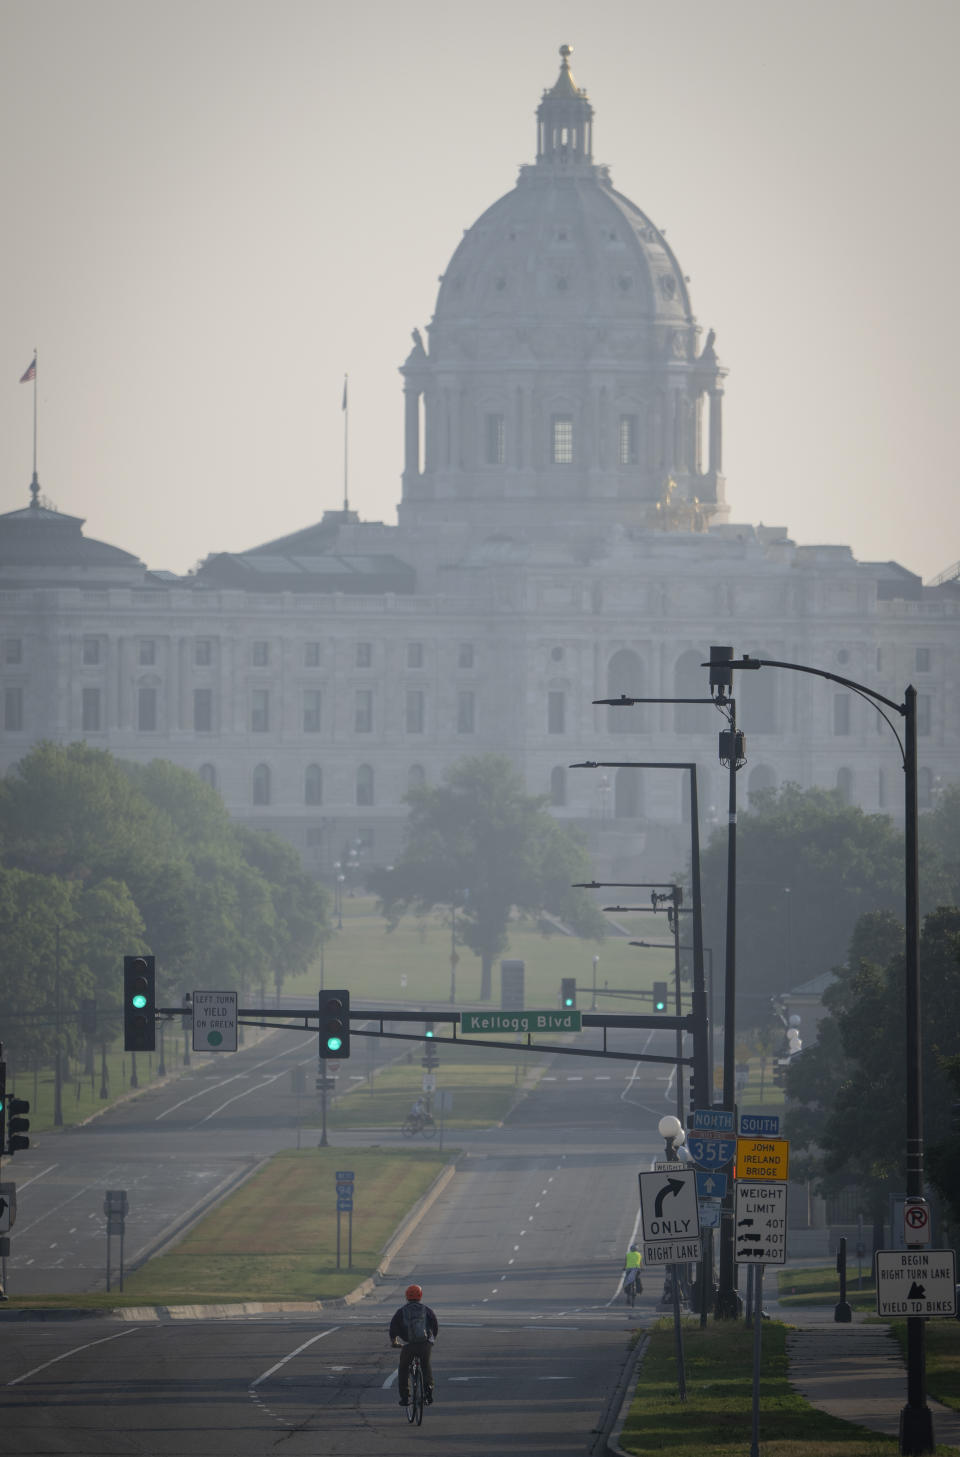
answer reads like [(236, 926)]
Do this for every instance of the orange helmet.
[(414, 1292)]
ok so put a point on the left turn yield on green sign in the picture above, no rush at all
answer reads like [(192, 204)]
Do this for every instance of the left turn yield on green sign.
[(214, 1021)]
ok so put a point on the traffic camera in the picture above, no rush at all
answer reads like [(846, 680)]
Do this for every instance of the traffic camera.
[(568, 993), (334, 1024), (139, 1003)]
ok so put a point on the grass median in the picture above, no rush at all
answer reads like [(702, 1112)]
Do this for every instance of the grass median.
[(716, 1418), (820, 1285), (276, 1237), (482, 1086)]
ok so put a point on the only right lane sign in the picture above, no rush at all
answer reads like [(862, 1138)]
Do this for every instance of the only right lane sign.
[(916, 1282)]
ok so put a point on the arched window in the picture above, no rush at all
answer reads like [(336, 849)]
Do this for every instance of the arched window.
[(209, 775), (313, 785), (365, 784), (625, 676), (627, 794), (691, 681), (760, 778), (558, 786), (261, 784), (416, 776), (845, 785)]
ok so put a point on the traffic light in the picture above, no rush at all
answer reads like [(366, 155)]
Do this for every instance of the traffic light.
[(139, 1004), (431, 1059), (659, 996), (18, 1125), (3, 1105), (335, 1024), (568, 992)]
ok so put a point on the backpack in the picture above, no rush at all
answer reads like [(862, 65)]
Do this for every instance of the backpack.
[(415, 1320)]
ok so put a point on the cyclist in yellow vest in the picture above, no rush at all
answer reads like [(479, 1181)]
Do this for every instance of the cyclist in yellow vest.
[(631, 1271)]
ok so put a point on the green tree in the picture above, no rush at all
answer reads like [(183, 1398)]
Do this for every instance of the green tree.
[(848, 1093), (479, 842), (808, 866)]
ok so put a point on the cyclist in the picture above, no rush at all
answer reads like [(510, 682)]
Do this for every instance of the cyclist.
[(418, 1112), (631, 1270), (414, 1326)]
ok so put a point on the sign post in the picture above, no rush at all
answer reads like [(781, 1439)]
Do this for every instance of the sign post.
[(115, 1207), (345, 1187), (671, 1235)]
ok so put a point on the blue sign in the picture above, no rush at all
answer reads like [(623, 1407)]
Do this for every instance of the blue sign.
[(716, 1118), (345, 1203), (766, 1125), (710, 1185), (343, 1174), (711, 1153)]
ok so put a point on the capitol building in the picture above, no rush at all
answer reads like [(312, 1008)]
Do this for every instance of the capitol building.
[(563, 535)]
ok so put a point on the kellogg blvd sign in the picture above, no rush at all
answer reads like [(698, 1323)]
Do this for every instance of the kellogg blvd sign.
[(519, 1022)]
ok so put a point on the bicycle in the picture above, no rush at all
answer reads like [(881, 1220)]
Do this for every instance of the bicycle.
[(414, 1407), (630, 1292), (424, 1125)]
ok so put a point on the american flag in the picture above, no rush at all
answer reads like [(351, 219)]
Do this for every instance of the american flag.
[(30, 372)]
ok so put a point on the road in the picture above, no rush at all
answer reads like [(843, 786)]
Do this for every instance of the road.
[(520, 1257)]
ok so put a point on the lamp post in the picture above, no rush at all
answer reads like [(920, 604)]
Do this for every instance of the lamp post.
[(672, 1132), (916, 1422)]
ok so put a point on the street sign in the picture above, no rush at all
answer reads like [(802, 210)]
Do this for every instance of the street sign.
[(214, 1021), (710, 1150), (519, 1022), (671, 1225), (428, 1083), (710, 1213), (345, 1204), (342, 1175), (8, 1207), (718, 1119), (760, 1227), (710, 1185), (764, 1159), (916, 1282), (765, 1124), (916, 1223)]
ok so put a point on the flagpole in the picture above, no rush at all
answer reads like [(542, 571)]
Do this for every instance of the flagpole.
[(35, 418), (346, 445)]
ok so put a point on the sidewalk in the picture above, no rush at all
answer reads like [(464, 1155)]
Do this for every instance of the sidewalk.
[(854, 1371)]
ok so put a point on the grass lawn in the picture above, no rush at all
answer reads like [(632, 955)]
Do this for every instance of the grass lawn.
[(715, 1420), (820, 1285), (483, 1085), (276, 1237), (412, 963), (943, 1358)]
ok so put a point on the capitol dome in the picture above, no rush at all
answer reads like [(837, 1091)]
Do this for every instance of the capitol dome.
[(564, 365)]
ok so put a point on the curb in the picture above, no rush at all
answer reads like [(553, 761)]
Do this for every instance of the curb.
[(628, 1383)]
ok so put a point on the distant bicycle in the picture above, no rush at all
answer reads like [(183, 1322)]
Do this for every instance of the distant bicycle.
[(414, 1407), (422, 1123)]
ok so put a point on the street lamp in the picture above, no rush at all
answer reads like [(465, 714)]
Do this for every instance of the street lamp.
[(916, 1422)]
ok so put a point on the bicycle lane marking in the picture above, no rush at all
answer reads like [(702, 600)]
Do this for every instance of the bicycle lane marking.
[(74, 1351), (252, 1391)]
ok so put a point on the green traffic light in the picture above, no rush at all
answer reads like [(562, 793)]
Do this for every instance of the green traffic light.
[(334, 1044), (428, 1034), (139, 1001), (568, 1001)]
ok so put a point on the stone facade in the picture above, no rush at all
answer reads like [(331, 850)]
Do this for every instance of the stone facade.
[(563, 536)]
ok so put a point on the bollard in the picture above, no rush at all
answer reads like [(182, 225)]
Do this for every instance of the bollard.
[(842, 1311)]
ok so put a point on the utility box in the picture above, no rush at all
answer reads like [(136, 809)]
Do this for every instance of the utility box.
[(511, 986)]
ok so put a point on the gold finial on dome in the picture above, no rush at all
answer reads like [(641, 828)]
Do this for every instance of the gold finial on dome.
[(565, 84)]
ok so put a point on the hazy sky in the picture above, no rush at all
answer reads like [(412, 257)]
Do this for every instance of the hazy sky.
[(214, 208)]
